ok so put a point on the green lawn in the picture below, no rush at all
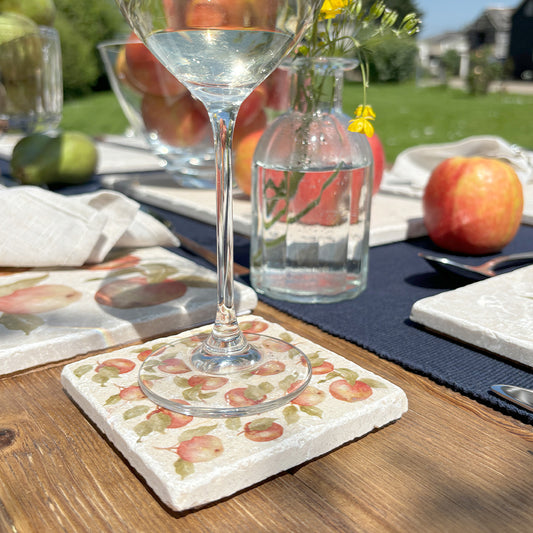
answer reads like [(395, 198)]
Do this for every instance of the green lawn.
[(96, 114), (406, 115)]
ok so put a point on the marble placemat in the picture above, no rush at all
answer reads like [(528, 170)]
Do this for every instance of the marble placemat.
[(190, 462), (495, 314), (54, 314), (393, 218)]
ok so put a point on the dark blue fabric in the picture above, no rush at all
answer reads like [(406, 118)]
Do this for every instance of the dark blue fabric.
[(378, 319)]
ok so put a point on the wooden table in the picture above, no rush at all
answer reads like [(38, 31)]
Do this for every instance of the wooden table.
[(449, 464)]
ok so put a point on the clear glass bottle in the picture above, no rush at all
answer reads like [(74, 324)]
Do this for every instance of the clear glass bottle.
[(311, 193)]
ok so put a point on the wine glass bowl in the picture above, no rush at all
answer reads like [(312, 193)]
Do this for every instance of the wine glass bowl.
[(220, 50)]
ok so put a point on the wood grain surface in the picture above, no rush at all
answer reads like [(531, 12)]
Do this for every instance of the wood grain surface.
[(449, 464)]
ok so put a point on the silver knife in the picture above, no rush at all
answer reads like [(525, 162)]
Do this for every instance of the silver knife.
[(518, 395)]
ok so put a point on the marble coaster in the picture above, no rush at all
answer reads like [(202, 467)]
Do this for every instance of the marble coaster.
[(189, 462), (495, 314), (54, 314)]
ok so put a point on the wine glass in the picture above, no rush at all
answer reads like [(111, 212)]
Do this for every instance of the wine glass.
[(221, 50), (31, 83)]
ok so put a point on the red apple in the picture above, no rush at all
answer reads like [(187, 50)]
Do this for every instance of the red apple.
[(314, 187), (133, 393), (278, 89), (122, 365), (257, 123), (177, 420), (309, 396), (219, 13), (174, 365), (342, 390), (207, 382), (378, 153), (180, 121), (200, 449), (242, 161), (262, 430), (137, 292), (270, 368), (122, 71), (473, 205), (251, 106), (38, 299), (324, 368), (276, 345), (237, 398), (253, 326), (141, 69)]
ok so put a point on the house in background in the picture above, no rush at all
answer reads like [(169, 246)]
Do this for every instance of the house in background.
[(492, 28), (433, 49), (509, 31), (521, 41)]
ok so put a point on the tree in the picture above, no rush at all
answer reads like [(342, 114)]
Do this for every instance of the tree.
[(394, 60), (81, 26), (402, 7)]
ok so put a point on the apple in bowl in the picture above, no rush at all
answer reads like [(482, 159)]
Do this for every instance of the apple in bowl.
[(473, 205)]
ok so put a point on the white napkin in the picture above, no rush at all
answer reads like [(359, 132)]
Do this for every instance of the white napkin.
[(412, 168), (40, 228)]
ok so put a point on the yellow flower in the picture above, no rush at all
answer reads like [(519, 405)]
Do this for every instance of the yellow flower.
[(331, 8), (362, 121)]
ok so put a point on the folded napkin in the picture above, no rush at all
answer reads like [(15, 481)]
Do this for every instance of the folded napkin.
[(412, 168), (40, 228)]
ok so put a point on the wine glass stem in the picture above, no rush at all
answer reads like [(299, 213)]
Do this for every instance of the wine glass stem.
[(226, 337)]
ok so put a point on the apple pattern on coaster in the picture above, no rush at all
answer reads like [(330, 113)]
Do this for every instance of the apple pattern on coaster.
[(49, 315), (190, 462)]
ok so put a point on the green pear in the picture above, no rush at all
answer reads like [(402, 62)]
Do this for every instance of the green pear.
[(69, 157), (42, 12), (20, 47), (13, 26), (20, 59), (20, 97)]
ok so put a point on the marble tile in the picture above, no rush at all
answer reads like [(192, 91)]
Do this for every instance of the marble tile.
[(495, 314), (189, 462), (54, 314)]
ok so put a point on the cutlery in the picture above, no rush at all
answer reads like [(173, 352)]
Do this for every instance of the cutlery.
[(479, 272), (518, 395)]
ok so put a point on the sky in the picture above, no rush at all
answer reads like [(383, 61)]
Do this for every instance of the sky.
[(449, 15)]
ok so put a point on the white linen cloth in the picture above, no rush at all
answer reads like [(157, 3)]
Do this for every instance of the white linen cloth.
[(412, 168), (40, 228)]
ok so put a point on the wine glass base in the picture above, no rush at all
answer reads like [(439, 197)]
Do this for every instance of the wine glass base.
[(170, 378)]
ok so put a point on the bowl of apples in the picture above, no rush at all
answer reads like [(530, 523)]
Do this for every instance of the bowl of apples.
[(161, 110), (174, 124)]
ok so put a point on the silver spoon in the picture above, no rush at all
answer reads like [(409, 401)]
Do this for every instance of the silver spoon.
[(485, 270), (518, 395)]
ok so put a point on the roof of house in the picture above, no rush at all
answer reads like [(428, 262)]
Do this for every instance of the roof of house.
[(498, 18)]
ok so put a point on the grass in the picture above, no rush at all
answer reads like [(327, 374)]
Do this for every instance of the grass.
[(96, 114), (406, 115)]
